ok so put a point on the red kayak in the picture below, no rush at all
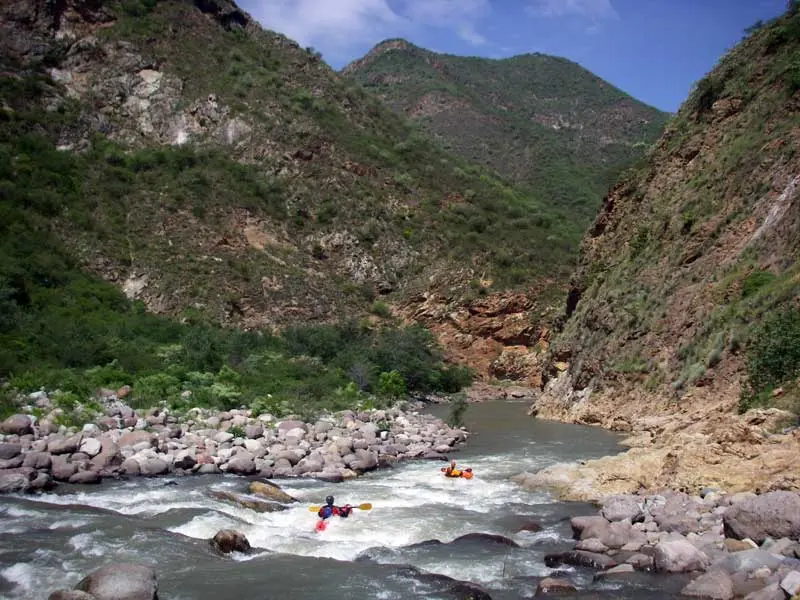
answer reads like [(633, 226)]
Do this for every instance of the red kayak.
[(320, 526)]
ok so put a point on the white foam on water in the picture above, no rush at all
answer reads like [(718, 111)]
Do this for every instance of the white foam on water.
[(69, 524), (88, 544)]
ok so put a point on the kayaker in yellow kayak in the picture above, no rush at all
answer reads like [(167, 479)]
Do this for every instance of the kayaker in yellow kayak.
[(451, 471)]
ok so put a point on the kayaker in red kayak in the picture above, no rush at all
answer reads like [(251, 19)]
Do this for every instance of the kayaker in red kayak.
[(331, 509)]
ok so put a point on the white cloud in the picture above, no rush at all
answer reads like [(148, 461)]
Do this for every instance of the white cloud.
[(335, 26), (467, 33), (595, 10), (332, 23)]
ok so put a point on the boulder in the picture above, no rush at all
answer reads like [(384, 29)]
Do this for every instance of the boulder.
[(261, 506), (252, 432), (553, 586), (228, 540), (774, 514), (17, 425), (152, 466), (286, 426), (270, 491), (619, 508), (10, 450), (679, 556), (91, 446), (14, 482), (714, 585), (64, 445), (242, 466), (131, 467), (131, 438), (122, 581), (37, 460), (61, 469)]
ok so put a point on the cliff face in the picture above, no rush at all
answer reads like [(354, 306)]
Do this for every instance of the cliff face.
[(693, 252), (220, 168)]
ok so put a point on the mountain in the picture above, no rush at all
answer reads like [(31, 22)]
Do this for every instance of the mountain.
[(209, 167), (539, 120), (685, 307)]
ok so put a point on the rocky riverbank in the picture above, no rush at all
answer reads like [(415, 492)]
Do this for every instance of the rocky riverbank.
[(36, 453), (735, 545), (689, 444)]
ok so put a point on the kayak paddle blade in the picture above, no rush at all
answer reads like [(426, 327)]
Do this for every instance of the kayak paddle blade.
[(362, 506)]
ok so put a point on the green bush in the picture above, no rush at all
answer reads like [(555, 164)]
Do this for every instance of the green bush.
[(773, 357), (391, 385)]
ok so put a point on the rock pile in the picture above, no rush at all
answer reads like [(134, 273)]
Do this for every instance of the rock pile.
[(35, 454), (740, 545)]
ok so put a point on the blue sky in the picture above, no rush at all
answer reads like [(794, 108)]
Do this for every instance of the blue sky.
[(653, 49)]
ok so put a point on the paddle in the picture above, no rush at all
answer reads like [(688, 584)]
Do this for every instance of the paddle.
[(363, 506)]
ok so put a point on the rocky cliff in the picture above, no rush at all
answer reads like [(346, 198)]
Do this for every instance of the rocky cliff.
[(683, 310), (210, 166)]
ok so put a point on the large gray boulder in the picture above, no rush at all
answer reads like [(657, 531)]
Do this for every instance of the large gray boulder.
[(37, 460), (774, 514), (619, 508), (14, 482), (679, 556), (9, 451), (17, 425), (122, 581), (243, 465)]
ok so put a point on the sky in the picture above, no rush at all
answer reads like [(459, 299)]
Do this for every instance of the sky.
[(652, 49)]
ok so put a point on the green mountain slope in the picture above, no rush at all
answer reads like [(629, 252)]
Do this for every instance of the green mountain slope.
[(540, 120), (687, 291), (219, 168)]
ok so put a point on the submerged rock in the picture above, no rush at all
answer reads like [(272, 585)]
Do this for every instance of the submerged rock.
[(270, 491), (121, 581), (228, 540)]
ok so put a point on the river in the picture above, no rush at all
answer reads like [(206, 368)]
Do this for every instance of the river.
[(51, 541)]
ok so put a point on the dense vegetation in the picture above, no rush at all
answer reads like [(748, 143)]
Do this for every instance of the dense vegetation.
[(691, 270), (62, 329), (540, 120)]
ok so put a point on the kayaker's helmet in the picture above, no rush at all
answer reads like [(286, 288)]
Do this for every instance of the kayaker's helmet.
[(329, 500)]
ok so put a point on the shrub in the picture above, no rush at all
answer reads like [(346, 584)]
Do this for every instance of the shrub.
[(773, 357), (380, 309), (391, 385)]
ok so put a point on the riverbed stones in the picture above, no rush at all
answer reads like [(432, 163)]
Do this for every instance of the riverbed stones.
[(774, 514), (338, 447), (121, 581)]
